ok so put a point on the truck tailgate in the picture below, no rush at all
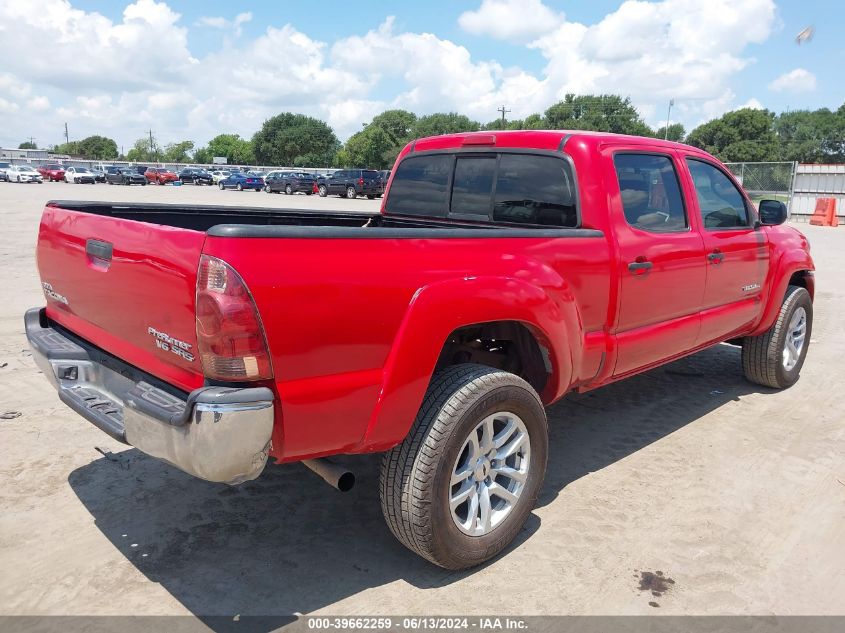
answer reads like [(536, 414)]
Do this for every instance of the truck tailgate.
[(127, 286)]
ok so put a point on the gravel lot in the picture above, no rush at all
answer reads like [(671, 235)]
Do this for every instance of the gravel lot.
[(735, 493)]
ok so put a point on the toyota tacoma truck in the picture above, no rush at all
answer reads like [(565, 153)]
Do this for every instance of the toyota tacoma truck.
[(504, 270)]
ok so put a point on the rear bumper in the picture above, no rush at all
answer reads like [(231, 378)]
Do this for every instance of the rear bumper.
[(219, 434)]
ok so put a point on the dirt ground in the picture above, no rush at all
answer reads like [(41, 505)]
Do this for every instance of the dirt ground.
[(689, 473)]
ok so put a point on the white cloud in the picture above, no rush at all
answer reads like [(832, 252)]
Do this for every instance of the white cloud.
[(798, 80), (217, 22), (138, 72), (516, 20), (752, 103), (39, 103)]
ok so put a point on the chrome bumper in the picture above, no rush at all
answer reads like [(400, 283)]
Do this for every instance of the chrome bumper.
[(219, 434)]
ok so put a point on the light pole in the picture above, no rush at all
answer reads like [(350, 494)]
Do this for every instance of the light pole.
[(668, 114)]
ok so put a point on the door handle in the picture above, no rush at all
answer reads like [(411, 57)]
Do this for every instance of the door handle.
[(639, 266), (99, 249), (716, 257)]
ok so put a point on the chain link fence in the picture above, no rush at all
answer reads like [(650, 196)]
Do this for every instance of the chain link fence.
[(759, 179)]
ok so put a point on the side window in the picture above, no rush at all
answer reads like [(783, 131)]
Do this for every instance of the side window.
[(472, 186), (532, 189), (420, 186), (720, 202), (651, 195)]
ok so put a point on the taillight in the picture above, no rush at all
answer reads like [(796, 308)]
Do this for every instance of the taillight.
[(361, 181), (230, 338)]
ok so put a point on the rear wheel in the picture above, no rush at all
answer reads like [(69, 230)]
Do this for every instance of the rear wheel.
[(775, 357), (351, 193), (461, 485), (321, 190), (240, 187), (288, 190)]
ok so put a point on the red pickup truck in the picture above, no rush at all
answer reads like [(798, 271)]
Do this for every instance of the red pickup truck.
[(505, 270)]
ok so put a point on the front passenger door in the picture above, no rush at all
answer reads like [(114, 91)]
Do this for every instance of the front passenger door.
[(736, 253)]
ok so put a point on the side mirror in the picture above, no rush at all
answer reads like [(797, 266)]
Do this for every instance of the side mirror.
[(772, 212)]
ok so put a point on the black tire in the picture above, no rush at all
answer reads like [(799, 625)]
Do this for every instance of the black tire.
[(370, 197), (288, 190), (762, 356), (322, 191), (239, 187), (416, 475), (351, 194), (221, 186)]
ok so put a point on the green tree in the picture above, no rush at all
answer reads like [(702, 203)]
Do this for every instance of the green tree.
[(444, 123), (237, 151), (145, 149), (397, 124), (203, 155), (811, 136), (742, 135), (178, 152), (27, 145), (98, 147), (676, 132), (71, 148), (602, 113), (371, 147), (295, 140)]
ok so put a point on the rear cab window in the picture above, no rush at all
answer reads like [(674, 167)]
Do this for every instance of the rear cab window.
[(650, 192), (494, 186)]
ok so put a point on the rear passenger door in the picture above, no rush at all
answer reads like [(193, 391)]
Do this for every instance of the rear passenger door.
[(660, 259), (336, 182), (736, 252)]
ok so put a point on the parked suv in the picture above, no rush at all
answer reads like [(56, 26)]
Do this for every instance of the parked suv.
[(124, 176), (196, 176), (160, 175), (290, 182), (350, 183)]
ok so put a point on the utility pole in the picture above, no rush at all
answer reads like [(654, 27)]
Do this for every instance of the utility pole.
[(32, 141), (504, 111), (152, 146), (67, 138), (668, 113)]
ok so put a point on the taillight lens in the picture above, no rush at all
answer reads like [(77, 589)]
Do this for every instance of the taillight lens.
[(230, 338), (361, 180)]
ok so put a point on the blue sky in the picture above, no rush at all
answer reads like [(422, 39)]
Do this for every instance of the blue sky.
[(189, 69)]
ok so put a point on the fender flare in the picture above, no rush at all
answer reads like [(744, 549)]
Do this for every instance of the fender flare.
[(789, 263), (437, 310)]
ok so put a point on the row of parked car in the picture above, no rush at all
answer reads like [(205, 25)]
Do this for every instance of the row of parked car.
[(347, 183)]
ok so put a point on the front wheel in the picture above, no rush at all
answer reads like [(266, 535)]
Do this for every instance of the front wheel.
[(775, 357), (321, 190), (240, 187), (221, 185), (461, 485), (351, 193), (288, 190)]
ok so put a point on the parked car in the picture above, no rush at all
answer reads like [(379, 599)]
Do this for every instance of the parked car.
[(539, 263), (124, 176), (383, 177), (196, 175), (52, 172), (3, 168), (289, 182), (220, 174), (23, 173), (350, 183), (80, 175), (241, 181), (100, 172), (160, 175)]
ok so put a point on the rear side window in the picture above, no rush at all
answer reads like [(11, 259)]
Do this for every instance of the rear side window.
[(369, 175), (472, 186), (720, 202), (420, 186), (651, 195), (532, 189)]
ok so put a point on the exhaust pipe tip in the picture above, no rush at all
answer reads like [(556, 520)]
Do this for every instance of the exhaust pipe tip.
[(336, 476)]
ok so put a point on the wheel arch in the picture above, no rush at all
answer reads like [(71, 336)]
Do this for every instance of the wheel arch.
[(543, 337)]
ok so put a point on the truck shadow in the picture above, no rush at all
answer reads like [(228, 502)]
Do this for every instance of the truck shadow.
[(288, 543)]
